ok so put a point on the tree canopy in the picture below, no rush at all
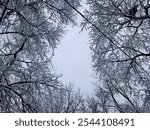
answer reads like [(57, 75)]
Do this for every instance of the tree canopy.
[(121, 52), (30, 30)]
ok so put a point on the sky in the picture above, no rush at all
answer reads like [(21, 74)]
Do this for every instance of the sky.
[(73, 57), (73, 60)]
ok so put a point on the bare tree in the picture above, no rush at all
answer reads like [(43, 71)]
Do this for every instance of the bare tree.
[(29, 32), (120, 40)]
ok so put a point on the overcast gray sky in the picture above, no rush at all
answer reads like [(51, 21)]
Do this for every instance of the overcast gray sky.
[(73, 59)]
